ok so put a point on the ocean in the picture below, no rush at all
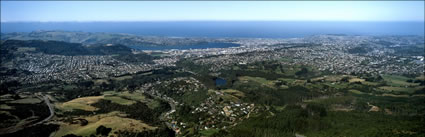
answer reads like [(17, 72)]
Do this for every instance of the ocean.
[(232, 29)]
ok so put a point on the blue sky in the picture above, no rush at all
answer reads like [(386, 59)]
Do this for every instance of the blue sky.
[(44, 11)]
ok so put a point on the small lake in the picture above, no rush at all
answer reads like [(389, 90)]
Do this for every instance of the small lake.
[(220, 82), (185, 47)]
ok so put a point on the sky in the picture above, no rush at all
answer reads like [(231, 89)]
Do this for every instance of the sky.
[(63, 11)]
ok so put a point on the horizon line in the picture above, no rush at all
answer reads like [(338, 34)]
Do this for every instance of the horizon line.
[(214, 21)]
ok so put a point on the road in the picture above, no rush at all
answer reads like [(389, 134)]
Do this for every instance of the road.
[(26, 124), (164, 115), (51, 109)]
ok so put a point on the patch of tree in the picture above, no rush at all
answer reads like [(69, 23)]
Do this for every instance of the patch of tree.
[(163, 131), (7, 120), (421, 82), (136, 58), (9, 87), (138, 110), (398, 106), (207, 80), (79, 92), (102, 49), (64, 48), (316, 109), (102, 130), (302, 72), (185, 114), (420, 91), (77, 112), (259, 94), (23, 111), (345, 79), (71, 135), (295, 45), (376, 78), (361, 87), (188, 64), (182, 91), (384, 43), (266, 75), (138, 80), (316, 121), (34, 131), (409, 50), (293, 120), (48, 47)]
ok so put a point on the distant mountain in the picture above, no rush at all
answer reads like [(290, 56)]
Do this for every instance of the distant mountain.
[(87, 38), (63, 48), (11, 49)]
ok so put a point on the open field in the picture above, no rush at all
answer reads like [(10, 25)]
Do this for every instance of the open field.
[(329, 78), (355, 91), (208, 132), (400, 81), (233, 92), (112, 120), (356, 80), (83, 103), (30, 100), (119, 100), (260, 80), (5, 106), (123, 98), (100, 81), (392, 95), (127, 98), (133, 96), (397, 89), (422, 77)]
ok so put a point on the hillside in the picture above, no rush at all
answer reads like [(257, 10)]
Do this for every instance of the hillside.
[(87, 38)]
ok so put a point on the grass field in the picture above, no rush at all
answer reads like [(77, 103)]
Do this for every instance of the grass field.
[(112, 120), (288, 80), (421, 77), (133, 96), (208, 132), (29, 100), (127, 98), (5, 106), (369, 83), (233, 92), (123, 98), (262, 81), (83, 103), (119, 100), (399, 81), (356, 80), (392, 95), (100, 81), (355, 91), (397, 89), (69, 87)]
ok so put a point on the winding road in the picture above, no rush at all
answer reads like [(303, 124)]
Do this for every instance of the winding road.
[(51, 109), (28, 123)]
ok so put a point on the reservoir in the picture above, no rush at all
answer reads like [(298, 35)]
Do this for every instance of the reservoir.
[(220, 82)]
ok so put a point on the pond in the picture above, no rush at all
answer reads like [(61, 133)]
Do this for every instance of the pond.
[(220, 82)]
